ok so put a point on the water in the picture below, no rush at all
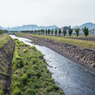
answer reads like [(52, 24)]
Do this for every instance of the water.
[(73, 79)]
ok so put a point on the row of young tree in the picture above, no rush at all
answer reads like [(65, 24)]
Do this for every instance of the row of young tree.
[(58, 31), (3, 31)]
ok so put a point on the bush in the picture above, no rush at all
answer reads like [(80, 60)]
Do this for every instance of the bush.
[(30, 91), (28, 74), (23, 79), (16, 91), (25, 50), (14, 77), (34, 48), (34, 67), (17, 61), (15, 84), (34, 60)]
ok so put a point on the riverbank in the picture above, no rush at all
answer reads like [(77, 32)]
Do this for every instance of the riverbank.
[(30, 74), (84, 57), (6, 55)]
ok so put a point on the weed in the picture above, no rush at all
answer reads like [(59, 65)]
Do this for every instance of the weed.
[(30, 75)]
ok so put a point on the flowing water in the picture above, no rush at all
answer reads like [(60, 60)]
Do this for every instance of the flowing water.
[(73, 79)]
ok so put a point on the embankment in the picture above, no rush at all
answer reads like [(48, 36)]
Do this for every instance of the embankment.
[(84, 57), (6, 55)]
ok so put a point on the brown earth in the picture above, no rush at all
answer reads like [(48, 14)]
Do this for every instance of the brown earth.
[(6, 55), (84, 57)]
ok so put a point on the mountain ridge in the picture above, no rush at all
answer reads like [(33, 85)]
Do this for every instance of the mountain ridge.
[(29, 27), (88, 24)]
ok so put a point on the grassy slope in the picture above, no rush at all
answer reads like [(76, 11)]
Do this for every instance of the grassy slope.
[(4, 38), (82, 43), (30, 75)]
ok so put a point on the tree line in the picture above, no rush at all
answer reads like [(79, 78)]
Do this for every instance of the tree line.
[(3, 31), (58, 32)]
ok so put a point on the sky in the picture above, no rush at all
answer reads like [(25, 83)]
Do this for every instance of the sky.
[(46, 12)]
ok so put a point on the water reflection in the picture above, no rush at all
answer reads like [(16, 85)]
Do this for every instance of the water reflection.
[(73, 79)]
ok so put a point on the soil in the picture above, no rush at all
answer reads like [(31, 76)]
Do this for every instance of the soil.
[(84, 57), (6, 55)]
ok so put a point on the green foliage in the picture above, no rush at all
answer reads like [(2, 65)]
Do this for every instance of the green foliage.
[(86, 32), (59, 32), (56, 32), (3, 31), (52, 31), (14, 77), (16, 91), (30, 92), (33, 47), (1, 92), (4, 38), (39, 33), (23, 79), (32, 78), (25, 50), (48, 31), (77, 32), (34, 60), (64, 32), (70, 31)]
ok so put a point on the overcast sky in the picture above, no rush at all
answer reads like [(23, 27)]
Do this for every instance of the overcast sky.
[(46, 12)]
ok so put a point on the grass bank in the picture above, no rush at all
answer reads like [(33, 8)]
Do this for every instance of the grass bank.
[(4, 38), (82, 43), (30, 74), (6, 52)]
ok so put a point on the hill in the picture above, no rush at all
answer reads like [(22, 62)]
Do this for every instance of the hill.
[(89, 25), (30, 27)]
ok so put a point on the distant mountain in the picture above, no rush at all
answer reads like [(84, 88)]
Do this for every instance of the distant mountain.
[(31, 27), (1, 28), (89, 25)]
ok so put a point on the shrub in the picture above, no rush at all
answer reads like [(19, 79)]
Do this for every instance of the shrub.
[(20, 73), (16, 91), (34, 48), (30, 92), (34, 67), (28, 74), (26, 67), (23, 79), (14, 77), (34, 60), (15, 84), (17, 61), (25, 50)]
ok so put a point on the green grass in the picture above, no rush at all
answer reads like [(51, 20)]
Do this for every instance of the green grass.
[(30, 74), (82, 43), (4, 38)]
